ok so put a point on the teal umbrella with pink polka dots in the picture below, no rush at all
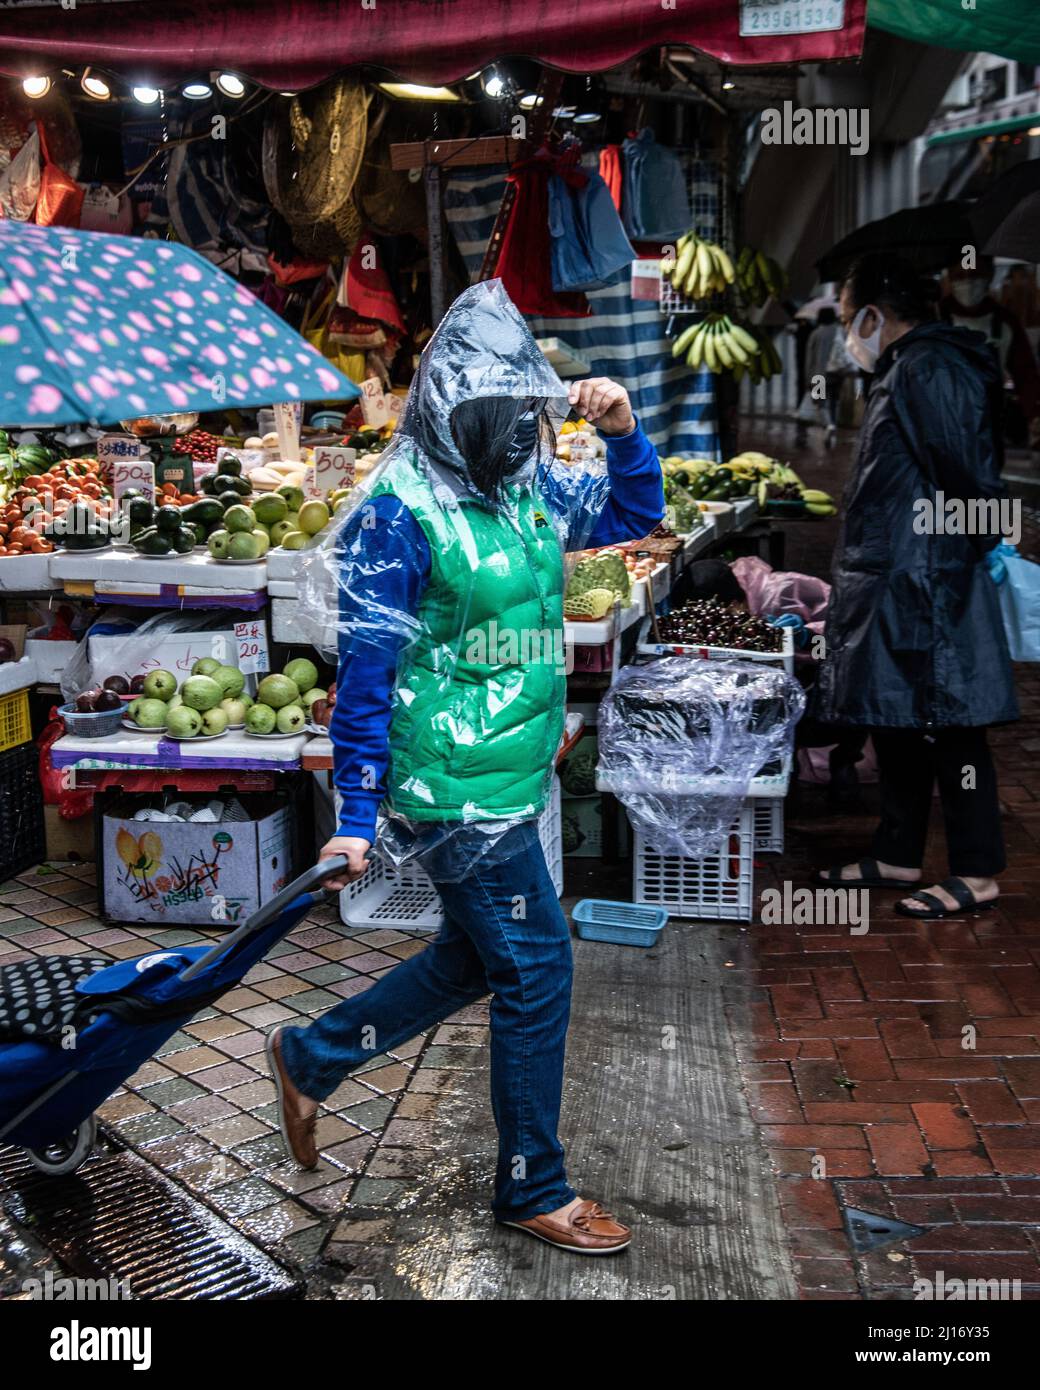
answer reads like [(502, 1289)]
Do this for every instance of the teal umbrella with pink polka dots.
[(106, 328)]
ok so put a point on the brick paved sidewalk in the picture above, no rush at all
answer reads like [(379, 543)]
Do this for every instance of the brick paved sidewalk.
[(906, 1059), (852, 1050)]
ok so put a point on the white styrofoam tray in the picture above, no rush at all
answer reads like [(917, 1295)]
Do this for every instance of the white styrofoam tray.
[(119, 566)]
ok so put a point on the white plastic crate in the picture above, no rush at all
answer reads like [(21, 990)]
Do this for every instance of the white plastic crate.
[(717, 887), (769, 825), (407, 900)]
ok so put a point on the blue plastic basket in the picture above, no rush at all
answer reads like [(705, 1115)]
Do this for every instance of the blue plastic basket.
[(97, 725), (622, 924)]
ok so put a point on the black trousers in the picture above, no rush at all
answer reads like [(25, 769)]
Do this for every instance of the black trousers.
[(910, 762)]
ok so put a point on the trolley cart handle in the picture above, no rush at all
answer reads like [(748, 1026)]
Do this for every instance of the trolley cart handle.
[(325, 868)]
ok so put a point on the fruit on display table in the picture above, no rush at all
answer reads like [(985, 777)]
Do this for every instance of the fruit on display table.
[(287, 700), (211, 699), (199, 445), (711, 623), (602, 570), (47, 504)]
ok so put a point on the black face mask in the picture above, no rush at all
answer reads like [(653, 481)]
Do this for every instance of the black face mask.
[(523, 443)]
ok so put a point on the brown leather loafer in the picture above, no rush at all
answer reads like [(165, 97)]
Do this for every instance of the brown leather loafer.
[(586, 1230), (295, 1117)]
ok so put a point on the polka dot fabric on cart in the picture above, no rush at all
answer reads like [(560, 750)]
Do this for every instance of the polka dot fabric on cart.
[(38, 997)]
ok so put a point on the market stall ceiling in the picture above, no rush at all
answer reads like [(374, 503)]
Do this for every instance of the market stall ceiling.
[(292, 44)]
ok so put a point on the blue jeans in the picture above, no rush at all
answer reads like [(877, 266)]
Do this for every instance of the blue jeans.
[(503, 934)]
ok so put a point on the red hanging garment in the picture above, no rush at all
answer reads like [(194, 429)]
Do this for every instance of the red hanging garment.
[(611, 173), (525, 261), (60, 200)]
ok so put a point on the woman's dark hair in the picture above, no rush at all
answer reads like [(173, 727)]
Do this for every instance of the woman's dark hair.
[(893, 284), (483, 431), (714, 579)]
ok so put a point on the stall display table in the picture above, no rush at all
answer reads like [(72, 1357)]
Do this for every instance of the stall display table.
[(120, 575), (27, 574), (146, 749)]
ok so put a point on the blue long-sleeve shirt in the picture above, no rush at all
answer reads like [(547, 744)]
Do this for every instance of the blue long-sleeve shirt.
[(381, 593)]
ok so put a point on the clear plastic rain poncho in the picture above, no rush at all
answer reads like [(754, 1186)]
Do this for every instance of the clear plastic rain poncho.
[(680, 740), (478, 704)]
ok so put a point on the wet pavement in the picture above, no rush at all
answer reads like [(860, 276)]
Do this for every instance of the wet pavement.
[(785, 1046)]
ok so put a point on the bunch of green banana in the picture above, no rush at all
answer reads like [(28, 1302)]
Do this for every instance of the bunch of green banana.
[(719, 344), (759, 276), (700, 268), (767, 361)]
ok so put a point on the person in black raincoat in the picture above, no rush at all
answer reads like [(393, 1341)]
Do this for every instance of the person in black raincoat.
[(915, 647)]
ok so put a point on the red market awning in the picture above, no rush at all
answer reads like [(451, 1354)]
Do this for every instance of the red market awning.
[(292, 44)]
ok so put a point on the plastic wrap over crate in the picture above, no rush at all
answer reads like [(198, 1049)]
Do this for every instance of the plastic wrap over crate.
[(680, 741)]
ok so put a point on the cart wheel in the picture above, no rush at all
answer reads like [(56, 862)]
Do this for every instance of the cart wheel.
[(66, 1155)]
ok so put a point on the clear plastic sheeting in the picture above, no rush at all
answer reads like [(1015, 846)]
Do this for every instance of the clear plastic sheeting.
[(136, 647), (478, 701), (681, 739)]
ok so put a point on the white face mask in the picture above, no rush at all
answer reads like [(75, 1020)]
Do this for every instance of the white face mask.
[(865, 351), (970, 293)]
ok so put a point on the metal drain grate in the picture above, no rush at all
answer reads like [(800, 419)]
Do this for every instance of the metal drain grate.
[(118, 1218), (868, 1231)]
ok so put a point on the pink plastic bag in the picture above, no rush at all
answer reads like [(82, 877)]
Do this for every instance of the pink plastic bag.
[(782, 591)]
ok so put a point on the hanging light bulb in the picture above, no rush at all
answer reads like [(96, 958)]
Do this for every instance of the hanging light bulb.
[(231, 85), (494, 83), (197, 91), (95, 86), (36, 87), (147, 96)]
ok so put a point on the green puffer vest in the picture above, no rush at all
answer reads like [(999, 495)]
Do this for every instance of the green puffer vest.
[(479, 702)]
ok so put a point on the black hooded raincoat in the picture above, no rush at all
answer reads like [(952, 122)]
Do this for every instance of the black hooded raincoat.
[(914, 637)]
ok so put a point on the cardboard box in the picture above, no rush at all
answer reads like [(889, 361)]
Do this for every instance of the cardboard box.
[(69, 839), (212, 874)]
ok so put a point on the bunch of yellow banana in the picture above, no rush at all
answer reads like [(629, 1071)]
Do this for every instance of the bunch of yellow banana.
[(716, 342), (700, 268), (817, 502), (759, 276)]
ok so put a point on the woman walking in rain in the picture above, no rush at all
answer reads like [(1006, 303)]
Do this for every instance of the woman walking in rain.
[(449, 574)]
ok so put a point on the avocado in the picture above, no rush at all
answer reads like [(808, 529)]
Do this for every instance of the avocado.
[(200, 531), (207, 511), (168, 519), (230, 466), (228, 499), (226, 482), (153, 542), (140, 511), (184, 540)]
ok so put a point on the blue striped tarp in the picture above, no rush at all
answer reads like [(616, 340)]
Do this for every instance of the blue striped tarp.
[(624, 339)]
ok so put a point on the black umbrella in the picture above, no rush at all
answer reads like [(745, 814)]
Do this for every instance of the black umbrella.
[(1006, 220), (929, 237)]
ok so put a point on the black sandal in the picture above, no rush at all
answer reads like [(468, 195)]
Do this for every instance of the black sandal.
[(958, 890), (872, 877)]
